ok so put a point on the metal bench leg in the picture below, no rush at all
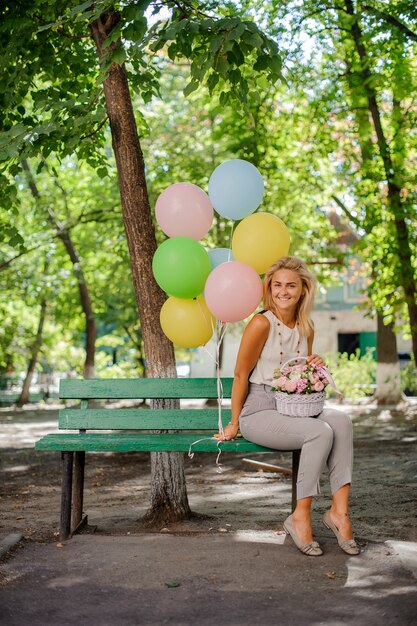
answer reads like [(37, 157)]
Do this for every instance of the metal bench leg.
[(295, 464), (66, 493), (78, 490)]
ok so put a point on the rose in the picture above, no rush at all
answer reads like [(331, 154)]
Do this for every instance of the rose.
[(318, 386), (290, 385), (281, 381), (301, 385), (314, 378)]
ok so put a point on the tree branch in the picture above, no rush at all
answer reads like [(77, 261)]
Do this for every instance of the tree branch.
[(94, 132), (187, 6), (65, 228), (27, 251), (325, 262), (61, 31), (346, 211), (390, 19)]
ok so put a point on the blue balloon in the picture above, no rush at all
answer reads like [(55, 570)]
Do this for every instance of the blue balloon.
[(220, 255), (236, 189)]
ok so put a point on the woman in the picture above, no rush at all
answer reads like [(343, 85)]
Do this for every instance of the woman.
[(285, 331)]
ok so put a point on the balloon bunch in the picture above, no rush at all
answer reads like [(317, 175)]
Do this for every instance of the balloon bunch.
[(229, 278)]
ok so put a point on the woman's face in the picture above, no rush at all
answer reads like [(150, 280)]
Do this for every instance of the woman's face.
[(286, 290)]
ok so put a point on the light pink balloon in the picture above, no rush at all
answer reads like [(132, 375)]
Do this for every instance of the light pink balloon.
[(184, 210), (233, 291)]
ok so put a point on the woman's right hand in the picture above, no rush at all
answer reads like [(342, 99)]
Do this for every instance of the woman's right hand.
[(229, 432)]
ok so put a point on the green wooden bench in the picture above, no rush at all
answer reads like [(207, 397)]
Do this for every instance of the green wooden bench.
[(136, 426)]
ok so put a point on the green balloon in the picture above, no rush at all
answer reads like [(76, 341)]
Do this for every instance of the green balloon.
[(181, 266)]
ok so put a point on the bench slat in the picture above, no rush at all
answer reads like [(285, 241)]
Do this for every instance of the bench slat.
[(137, 388), (100, 442), (142, 419)]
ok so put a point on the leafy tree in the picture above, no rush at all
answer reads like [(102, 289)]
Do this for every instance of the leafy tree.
[(34, 348), (356, 73), (71, 98), (64, 234)]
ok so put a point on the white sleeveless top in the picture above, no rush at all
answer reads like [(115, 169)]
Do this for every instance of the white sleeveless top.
[(270, 357)]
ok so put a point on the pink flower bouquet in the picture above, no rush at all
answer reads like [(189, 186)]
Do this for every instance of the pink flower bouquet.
[(300, 389), (300, 379)]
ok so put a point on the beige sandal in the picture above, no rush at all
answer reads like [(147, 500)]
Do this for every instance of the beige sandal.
[(310, 549), (347, 545)]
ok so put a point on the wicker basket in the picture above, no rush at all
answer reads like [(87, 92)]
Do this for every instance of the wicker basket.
[(300, 405)]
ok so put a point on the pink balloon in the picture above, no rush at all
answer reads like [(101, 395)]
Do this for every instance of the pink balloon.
[(184, 210), (233, 291)]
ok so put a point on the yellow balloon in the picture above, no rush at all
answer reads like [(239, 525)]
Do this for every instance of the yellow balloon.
[(188, 323), (259, 240)]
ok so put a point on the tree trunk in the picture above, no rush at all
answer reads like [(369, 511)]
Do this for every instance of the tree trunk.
[(388, 379), (24, 396), (169, 500), (86, 304), (85, 300), (405, 257), (388, 384)]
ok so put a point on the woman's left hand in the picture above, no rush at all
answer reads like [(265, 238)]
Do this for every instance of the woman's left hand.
[(315, 359), (229, 432)]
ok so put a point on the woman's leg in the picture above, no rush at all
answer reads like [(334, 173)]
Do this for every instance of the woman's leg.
[(339, 512), (314, 437), (302, 519), (340, 468), (340, 459)]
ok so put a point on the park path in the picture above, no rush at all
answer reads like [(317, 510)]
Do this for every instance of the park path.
[(243, 578)]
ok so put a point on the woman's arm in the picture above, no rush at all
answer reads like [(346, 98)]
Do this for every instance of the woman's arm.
[(312, 359), (251, 345)]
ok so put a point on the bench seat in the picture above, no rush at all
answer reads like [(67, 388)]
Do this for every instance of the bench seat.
[(144, 442)]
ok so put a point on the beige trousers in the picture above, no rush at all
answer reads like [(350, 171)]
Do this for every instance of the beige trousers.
[(323, 440)]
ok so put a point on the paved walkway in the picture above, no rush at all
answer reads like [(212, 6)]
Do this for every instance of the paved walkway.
[(240, 578)]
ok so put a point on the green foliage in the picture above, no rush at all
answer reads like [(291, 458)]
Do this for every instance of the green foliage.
[(71, 198), (9, 234), (218, 48), (51, 95), (311, 139), (188, 137), (354, 375), (124, 368), (409, 378), (52, 113), (356, 66)]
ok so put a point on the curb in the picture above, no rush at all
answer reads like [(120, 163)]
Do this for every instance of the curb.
[(8, 542)]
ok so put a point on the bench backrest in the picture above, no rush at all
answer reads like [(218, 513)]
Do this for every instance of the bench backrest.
[(142, 418)]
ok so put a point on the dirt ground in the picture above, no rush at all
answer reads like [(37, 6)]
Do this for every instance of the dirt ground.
[(383, 504)]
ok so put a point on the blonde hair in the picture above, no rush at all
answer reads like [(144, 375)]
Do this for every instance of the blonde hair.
[(306, 302)]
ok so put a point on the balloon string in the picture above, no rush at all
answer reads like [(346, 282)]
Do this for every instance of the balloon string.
[(220, 332), (191, 454), (231, 238), (209, 320), (220, 336)]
